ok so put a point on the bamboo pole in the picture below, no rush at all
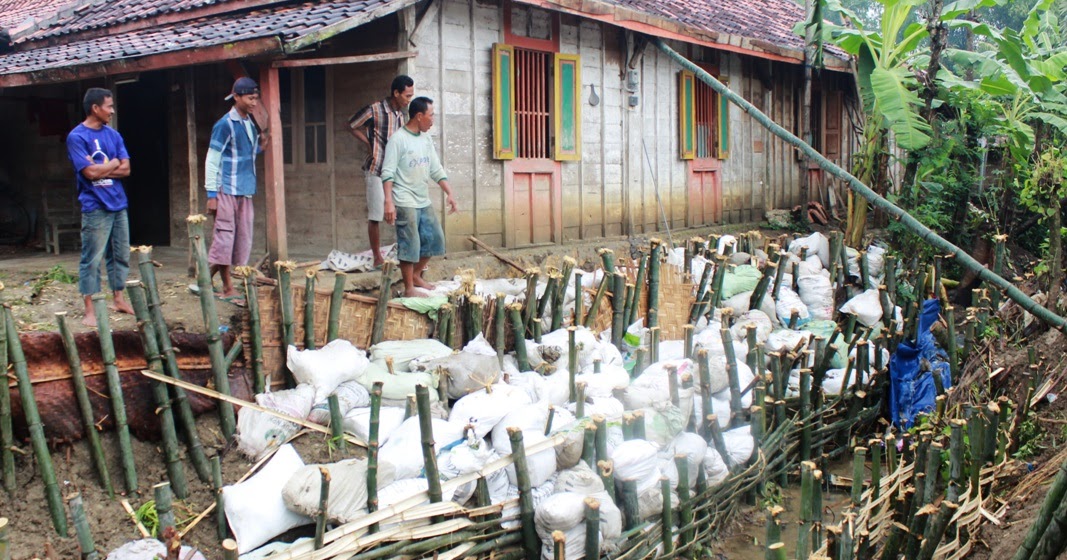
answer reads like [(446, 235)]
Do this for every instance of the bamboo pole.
[(653, 354), (592, 528), (631, 515), (499, 327), (114, 389), (652, 320), (221, 528), (164, 506), (337, 299), (559, 545), (667, 515), (685, 503), (618, 308), (572, 363), (579, 299), (255, 325), (34, 425), (876, 468), (526, 507), (227, 418), (935, 531), (170, 363), (590, 318), (445, 318), (702, 292), (589, 445), (381, 309), (720, 443), (81, 394), (529, 304), (859, 188), (1050, 507), (229, 549), (429, 456), (807, 490), (337, 430), (805, 411), (7, 436), (81, 527), (324, 504), (309, 308), (518, 330), (736, 410), (859, 460), (476, 316), (606, 470), (372, 450)]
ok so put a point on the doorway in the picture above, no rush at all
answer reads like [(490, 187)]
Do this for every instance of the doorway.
[(142, 112)]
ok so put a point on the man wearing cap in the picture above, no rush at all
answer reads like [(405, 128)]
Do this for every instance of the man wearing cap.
[(373, 125), (230, 180)]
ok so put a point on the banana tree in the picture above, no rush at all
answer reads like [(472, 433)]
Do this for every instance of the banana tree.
[(886, 57)]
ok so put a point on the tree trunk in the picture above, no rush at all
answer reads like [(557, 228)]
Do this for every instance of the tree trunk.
[(1055, 263), (938, 35)]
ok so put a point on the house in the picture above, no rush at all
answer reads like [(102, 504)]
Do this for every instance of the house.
[(556, 120)]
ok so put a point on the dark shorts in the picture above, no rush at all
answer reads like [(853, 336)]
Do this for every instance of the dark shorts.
[(418, 234)]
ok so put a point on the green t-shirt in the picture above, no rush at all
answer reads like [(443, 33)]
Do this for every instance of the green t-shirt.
[(411, 163)]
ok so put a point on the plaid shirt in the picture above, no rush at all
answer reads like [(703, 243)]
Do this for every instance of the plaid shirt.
[(382, 121)]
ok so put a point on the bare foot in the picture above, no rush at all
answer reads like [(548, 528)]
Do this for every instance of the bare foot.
[(229, 294), (415, 292), (89, 320), (123, 306), (422, 283)]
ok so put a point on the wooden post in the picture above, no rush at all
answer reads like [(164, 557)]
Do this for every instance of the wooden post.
[(273, 168), (192, 159)]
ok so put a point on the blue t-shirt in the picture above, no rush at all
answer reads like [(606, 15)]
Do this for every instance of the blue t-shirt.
[(85, 147)]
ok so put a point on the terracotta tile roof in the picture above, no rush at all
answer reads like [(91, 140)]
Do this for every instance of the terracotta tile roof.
[(15, 14), (96, 14), (285, 22), (768, 20)]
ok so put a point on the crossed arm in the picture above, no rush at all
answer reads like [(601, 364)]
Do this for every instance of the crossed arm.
[(113, 169)]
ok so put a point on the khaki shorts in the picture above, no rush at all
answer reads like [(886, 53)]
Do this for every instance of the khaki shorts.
[(375, 197)]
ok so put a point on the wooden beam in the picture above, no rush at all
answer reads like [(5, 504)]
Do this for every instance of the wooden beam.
[(193, 161), (335, 60), (421, 28), (274, 169), (175, 59)]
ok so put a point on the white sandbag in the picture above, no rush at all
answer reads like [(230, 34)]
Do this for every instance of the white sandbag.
[(867, 307), (785, 340), (650, 502), (816, 243), (327, 367), (526, 417), (490, 287), (875, 262), (466, 458), (652, 387), (755, 318), (357, 422), (483, 409), (608, 353), (739, 443), (404, 351), (739, 258), (835, 378), (604, 383), (255, 509), (583, 481), (150, 549), (402, 489), (404, 448), (726, 245), (787, 301), (348, 489), (715, 468), (266, 551), (295, 402), (259, 432), (636, 460), (537, 493), (397, 386), (350, 394), (664, 421), (720, 407), (810, 266), (817, 293), (467, 370), (610, 408), (541, 465), (569, 451), (738, 303), (584, 340), (556, 388), (694, 448)]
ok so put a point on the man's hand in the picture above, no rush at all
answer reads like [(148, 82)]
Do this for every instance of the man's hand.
[(452, 206), (212, 206), (390, 212)]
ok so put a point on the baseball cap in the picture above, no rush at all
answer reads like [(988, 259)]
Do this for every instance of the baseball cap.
[(243, 86)]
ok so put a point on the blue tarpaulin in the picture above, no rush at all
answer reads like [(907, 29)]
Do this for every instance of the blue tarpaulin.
[(912, 390)]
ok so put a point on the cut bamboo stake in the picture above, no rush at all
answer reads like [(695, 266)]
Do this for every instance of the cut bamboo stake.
[(34, 425), (7, 436), (685, 503), (807, 490), (589, 445), (381, 309), (1049, 508), (337, 430), (517, 329), (81, 527), (805, 411), (221, 528), (476, 317), (255, 326), (572, 363), (285, 304), (704, 371), (579, 299), (652, 320), (164, 506), (653, 354), (429, 456), (324, 505), (227, 419), (77, 378), (229, 549), (859, 459), (372, 450), (529, 303), (499, 327), (618, 307), (175, 471), (114, 389), (170, 363), (592, 528), (667, 515), (606, 470), (720, 443), (526, 506), (445, 318), (935, 531), (337, 299), (631, 515), (590, 318), (559, 545), (309, 308), (736, 410)]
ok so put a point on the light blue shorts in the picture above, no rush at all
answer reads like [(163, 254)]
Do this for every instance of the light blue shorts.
[(418, 234)]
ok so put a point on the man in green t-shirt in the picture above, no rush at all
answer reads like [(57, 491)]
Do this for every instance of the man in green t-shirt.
[(410, 165)]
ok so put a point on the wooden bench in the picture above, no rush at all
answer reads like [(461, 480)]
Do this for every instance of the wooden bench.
[(62, 215)]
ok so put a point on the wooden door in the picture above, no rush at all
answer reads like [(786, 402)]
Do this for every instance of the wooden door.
[(533, 202), (705, 191)]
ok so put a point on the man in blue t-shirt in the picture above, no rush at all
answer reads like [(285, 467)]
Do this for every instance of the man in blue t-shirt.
[(100, 163)]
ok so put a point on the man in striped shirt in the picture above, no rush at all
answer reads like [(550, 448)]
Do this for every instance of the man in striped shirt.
[(373, 125), (230, 180)]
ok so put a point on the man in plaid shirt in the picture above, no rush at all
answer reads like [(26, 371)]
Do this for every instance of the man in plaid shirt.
[(373, 125)]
